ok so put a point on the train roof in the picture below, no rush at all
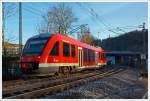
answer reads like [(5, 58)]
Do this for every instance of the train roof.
[(42, 35), (74, 41), (68, 39)]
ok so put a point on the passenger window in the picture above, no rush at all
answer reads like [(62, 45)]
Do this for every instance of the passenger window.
[(100, 55), (89, 55), (85, 55), (55, 49), (93, 55), (66, 50), (72, 50), (104, 55)]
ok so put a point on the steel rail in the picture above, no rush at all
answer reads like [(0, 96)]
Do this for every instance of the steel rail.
[(63, 86), (35, 85), (20, 82)]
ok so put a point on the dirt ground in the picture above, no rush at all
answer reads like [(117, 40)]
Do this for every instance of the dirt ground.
[(124, 85)]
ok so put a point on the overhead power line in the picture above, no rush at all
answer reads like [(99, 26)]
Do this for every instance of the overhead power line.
[(76, 29), (96, 17), (32, 11)]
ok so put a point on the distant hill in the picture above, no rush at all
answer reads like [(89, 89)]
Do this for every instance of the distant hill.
[(135, 41)]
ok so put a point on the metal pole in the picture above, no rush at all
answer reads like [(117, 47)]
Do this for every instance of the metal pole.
[(143, 25), (98, 40), (20, 28), (3, 29), (143, 29)]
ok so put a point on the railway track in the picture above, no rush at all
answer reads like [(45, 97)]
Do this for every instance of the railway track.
[(14, 83), (31, 80), (39, 89), (32, 84), (21, 86)]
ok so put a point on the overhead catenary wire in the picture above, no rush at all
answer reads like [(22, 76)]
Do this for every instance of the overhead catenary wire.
[(96, 17), (91, 12), (108, 27), (32, 12)]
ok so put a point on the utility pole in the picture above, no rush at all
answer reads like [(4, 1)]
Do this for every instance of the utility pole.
[(3, 29), (143, 29), (143, 26), (98, 39), (20, 28), (143, 56), (109, 36), (81, 28)]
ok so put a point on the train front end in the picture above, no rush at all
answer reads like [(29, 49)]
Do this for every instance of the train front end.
[(32, 52), (102, 58)]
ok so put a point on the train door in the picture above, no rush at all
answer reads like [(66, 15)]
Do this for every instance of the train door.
[(96, 58), (80, 56)]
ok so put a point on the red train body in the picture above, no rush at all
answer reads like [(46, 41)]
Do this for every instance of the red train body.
[(47, 53)]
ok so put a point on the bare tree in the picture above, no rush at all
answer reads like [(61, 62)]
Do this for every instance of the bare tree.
[(8, 9), (59, 19), (86, 36)]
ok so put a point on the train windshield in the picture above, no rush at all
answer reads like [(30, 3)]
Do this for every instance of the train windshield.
[(35, 46)]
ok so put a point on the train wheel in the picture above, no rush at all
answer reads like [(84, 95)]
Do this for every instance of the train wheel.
[(73, 69), (60, 72), (56, 74), (65, 70), (70, 69)]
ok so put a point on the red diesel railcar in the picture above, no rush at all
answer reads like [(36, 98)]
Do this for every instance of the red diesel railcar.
[(56, 53)]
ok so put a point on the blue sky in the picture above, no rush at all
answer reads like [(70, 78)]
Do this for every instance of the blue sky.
[(113, 15)]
